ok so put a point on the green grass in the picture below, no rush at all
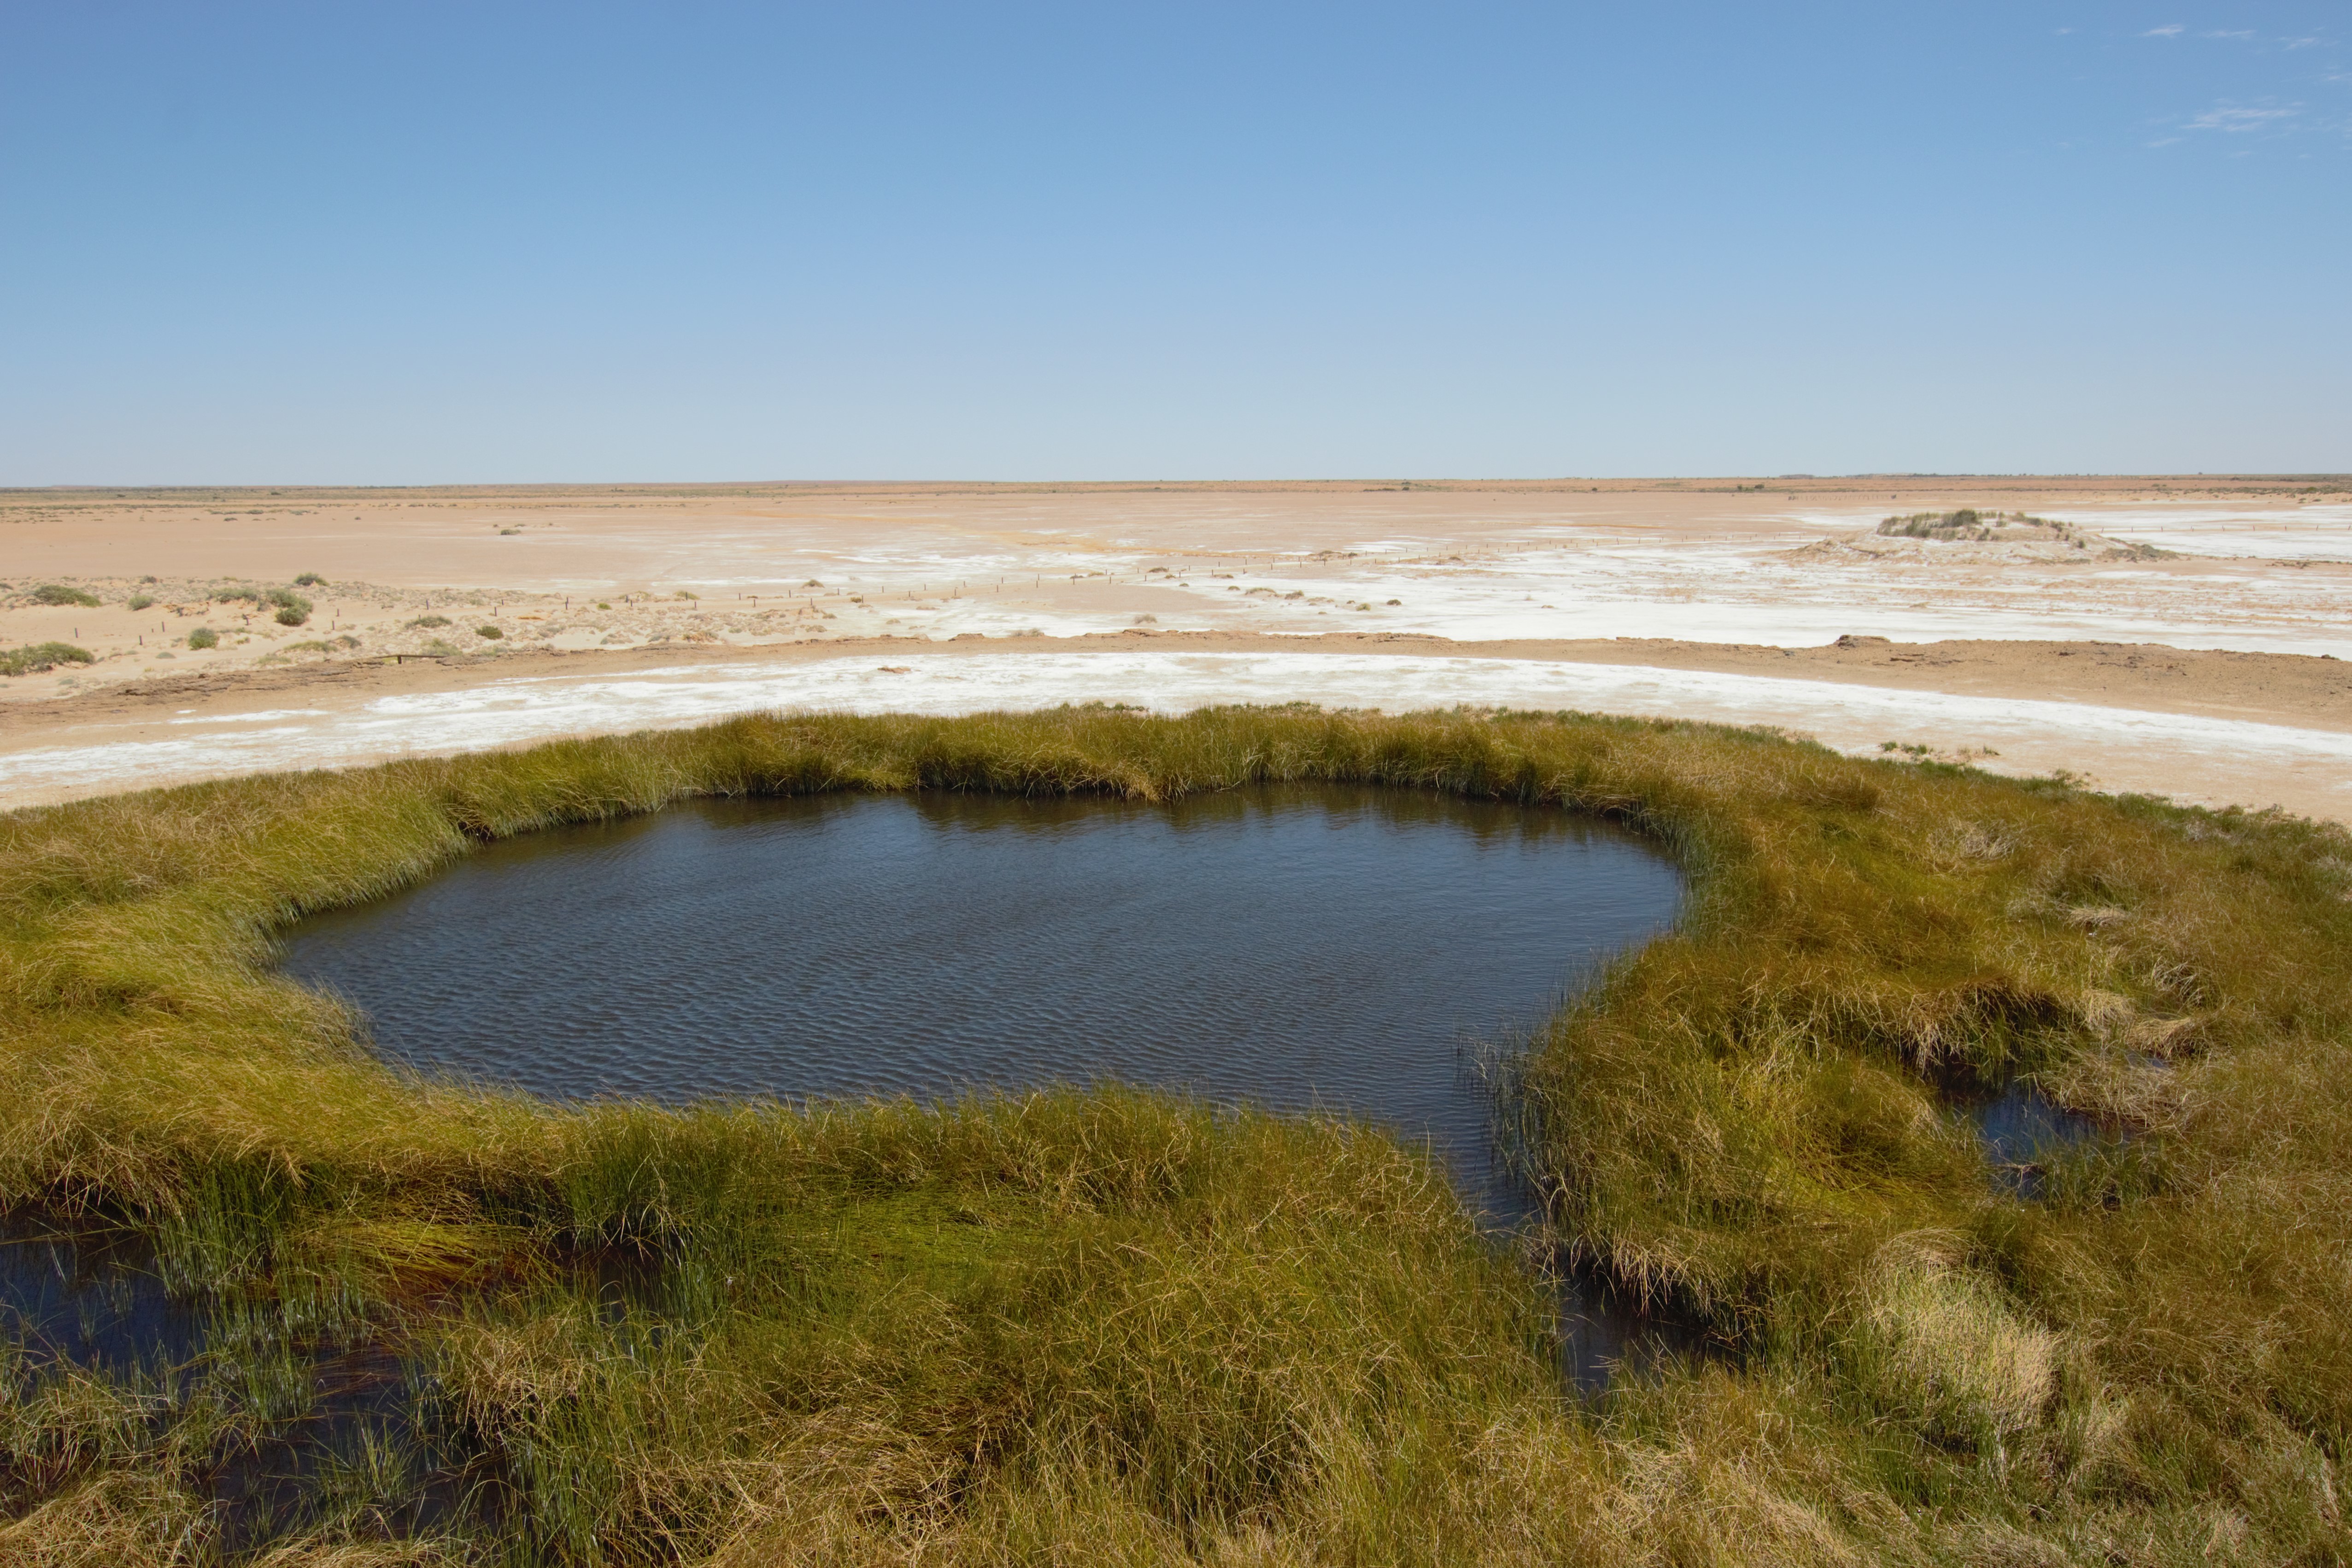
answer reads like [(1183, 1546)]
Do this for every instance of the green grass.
[(1106, 1326)]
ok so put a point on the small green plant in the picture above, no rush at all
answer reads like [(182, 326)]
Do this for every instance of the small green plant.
[(309, 580), (204, 636), (35, 657), (58, 593), (139, 601), (603, 605), (489, 632), (684, 594), (427, 623), (293, 609)]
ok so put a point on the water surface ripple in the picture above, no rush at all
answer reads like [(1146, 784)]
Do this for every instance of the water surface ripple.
[(1323, 948)]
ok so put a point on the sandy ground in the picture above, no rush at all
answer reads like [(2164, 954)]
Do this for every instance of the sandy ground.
[(2174, 636)]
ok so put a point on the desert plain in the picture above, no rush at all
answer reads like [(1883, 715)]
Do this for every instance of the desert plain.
[(2182, 636)]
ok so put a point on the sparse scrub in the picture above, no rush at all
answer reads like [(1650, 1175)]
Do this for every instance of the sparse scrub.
[(34, 658), (1105, 1325), (58, 593), (202, 637), (488, 632), (429, 623), (138, 602), (292, 608), (1967, 522), (309, 580)]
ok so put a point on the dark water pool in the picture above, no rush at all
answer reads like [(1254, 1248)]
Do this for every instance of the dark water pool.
[(1306, 948), (286, 1420)]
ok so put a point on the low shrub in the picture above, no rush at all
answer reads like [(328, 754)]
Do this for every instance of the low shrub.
[(35, 657), (490, 632), (58, 593), (204, 636)]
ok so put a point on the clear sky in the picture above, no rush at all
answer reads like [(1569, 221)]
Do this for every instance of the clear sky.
[(417, 242)]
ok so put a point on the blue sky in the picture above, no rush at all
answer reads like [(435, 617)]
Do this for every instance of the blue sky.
[(420, 243)]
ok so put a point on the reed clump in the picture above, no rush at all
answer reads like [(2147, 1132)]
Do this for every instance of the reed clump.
[(1106, 1325)]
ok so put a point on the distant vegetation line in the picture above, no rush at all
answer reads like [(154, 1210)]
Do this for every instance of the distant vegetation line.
[(1124, 1327)]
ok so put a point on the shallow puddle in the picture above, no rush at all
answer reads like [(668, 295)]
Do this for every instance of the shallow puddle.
[(2023, 1130), (281, 1424)]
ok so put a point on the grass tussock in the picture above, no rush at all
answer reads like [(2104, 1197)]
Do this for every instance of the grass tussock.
[(1106, 1326)]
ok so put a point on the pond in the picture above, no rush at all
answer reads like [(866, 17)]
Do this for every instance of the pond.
[(1302, 949), (1333, 949)]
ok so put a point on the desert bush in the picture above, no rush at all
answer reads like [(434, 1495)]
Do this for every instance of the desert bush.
[(34, 658), (204, 636), (58, 593)]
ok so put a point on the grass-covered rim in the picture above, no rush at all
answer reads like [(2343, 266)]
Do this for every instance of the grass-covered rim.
[(1112, 1326)]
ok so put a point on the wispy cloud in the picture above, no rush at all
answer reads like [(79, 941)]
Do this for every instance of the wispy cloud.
[(2232, 119), (2170, 30), (2229, 33)]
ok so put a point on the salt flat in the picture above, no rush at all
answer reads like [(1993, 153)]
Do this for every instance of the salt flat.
[(1369, 594)]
